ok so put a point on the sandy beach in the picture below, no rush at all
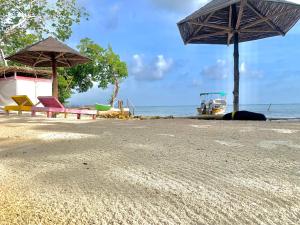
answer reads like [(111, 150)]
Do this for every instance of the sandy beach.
[(167, 171)]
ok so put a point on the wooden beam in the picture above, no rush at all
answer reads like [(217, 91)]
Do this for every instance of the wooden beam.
[(230, 17), (74, 58), (63, 62), (205, 21), (25, 58), (59, 55), (22, 59), (229, 35), (68, 62), (207, 35), (45, 56), (211, 25), (264, 19), (240, 15), (38, 58), (40, 61), (269, 22), (257, 31)]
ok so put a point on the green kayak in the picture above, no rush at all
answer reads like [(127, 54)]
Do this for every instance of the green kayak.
[(100, 107)]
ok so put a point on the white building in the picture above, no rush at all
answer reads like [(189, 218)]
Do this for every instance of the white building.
[(23, 81)]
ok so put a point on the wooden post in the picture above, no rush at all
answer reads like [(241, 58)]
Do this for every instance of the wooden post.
[(236, 74), (236, 60), (54, 77)]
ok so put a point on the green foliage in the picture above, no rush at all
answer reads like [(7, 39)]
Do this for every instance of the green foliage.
[(64, 88), (113, 69), (104, 69), (24, 22), (19, 41), (84, 75)]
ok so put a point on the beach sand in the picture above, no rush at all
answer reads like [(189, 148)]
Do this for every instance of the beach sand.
[(175, 171)]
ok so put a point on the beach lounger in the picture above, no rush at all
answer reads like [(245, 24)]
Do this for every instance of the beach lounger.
[(23, 104), (52, 105)]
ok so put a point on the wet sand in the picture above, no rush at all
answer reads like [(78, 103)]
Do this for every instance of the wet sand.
[(180, 171)]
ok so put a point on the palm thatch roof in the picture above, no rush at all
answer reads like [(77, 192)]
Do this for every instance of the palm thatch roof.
[(42, 53), (216, 22), (6, 71)]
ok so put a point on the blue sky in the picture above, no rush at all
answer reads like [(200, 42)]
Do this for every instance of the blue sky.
[(164, 71)]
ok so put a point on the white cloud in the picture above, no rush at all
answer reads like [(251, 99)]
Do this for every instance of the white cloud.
[(196, 83), (250, 73), (218, 71), (222, 69), (138, 64), (243, 68), (179, 5), (155, 70)]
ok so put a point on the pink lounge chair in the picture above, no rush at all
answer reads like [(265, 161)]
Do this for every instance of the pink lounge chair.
[(52, 105)]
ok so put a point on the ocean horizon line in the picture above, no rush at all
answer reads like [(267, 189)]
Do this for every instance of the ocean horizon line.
[(267, 104)]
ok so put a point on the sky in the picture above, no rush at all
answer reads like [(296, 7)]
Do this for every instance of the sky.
[(163, 71)]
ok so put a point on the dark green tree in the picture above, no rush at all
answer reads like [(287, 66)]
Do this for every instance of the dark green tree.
[(23, 22), (105, 68)]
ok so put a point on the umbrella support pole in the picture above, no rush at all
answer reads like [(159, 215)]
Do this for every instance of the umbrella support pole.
[(236, 59), (54, 82), (54, 77), (236, 74)]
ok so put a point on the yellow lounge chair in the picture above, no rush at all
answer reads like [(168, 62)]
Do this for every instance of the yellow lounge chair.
[(23, 104)]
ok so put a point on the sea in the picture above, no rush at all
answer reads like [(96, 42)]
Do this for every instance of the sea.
[(288, 111)]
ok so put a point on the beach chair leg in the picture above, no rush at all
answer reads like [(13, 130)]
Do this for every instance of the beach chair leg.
[(66, 114), (33, 113), (7, 112), (19, 113), (94, 116), (78, 116), (49, 114)]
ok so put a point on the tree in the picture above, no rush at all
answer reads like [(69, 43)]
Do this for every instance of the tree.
[(104, 69), (114, 72), (23, 22), (64, 86)]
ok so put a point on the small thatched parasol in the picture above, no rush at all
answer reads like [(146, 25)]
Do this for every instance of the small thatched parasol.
[(233, 21), (49, 53)]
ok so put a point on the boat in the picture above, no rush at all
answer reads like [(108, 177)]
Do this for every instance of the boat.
[(109, 109), (101, 107), (213, 103)]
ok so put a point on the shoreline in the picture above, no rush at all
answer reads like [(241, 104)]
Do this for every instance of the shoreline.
[(150, 117), (213, 118)]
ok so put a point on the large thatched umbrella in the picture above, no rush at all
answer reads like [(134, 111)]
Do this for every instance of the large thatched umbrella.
[(49, 53), (233, 21)]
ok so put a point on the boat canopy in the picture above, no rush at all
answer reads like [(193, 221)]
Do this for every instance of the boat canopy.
[(223, 94)]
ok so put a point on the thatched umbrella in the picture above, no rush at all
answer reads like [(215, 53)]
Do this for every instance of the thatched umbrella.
[(49, 53), (233, 21)]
